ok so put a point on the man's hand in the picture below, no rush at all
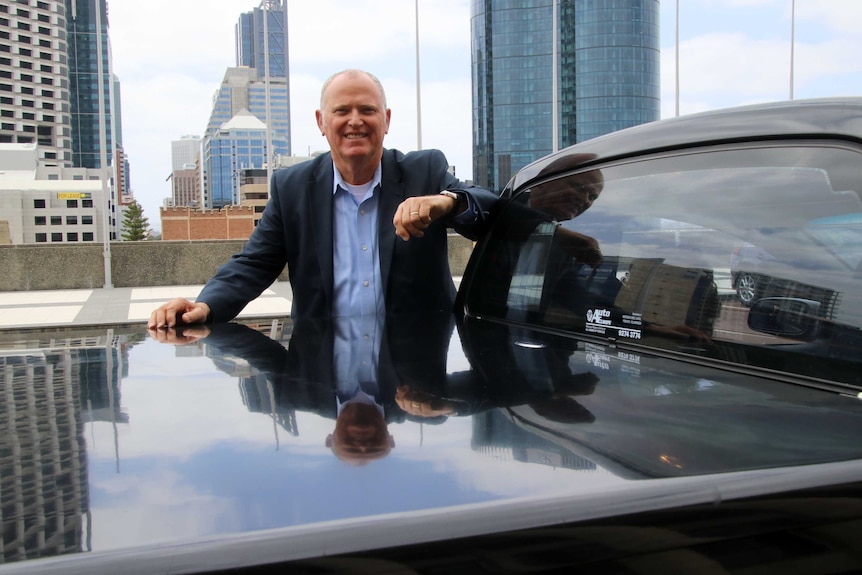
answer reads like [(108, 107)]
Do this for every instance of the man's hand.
[(415, 214), (178, 310), (421, 404), (182, 336)]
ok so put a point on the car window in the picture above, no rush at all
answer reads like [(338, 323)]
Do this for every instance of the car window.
[(681, 251)]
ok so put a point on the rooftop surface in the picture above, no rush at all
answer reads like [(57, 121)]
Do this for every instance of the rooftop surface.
[(104, 306)]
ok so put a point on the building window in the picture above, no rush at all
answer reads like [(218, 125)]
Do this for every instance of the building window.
[(40, 220), (56, 220), (72, 237), (86, 220), (87, 236), (54, 176), (71, 220), (41, 238), (38, 203), (56, 237), (86, 203), (71, 203)]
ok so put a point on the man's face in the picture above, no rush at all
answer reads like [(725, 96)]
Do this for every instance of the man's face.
[(354, 120), (360, 435), (569, 197)]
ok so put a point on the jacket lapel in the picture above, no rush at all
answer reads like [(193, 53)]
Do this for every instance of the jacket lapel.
[(391, 195), (321, 206)]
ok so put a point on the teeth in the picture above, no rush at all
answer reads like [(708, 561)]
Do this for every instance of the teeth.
[(353, 136)]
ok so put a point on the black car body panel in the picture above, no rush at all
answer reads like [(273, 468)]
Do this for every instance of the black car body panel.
[(600, 401)]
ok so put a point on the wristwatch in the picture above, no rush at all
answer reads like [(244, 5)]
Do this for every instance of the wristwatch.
[(458, 199)]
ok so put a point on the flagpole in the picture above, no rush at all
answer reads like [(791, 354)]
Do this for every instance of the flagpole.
[(418, 89), (792, 41), (676, 71)]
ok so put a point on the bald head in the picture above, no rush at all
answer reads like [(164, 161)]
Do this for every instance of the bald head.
[(351, 73)]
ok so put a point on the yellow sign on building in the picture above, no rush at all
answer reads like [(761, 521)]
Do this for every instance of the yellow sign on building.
[(74, 196)]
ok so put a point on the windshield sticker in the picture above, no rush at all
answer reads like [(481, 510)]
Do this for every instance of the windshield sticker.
[(600, 321)]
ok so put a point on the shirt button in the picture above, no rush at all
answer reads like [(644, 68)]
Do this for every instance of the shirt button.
[(365, 284), (361, 212), (364, 248)]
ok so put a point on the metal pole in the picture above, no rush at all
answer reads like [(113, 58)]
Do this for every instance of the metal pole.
[(792, 41), (418, 89), (676, 71), (103, 144), (269, 152), (554, 98)]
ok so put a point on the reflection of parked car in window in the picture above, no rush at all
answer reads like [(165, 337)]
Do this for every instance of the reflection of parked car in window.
[(755, 274)]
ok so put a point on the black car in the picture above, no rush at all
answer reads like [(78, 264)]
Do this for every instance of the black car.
[(599, 402)]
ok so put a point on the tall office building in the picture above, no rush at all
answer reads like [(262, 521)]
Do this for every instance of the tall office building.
[(185, 151), (34, 85), (239, 144), (84, 79), (608, 57), (268, 54), (242, 92), (252, 45)]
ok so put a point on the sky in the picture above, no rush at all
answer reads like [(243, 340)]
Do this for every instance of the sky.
[(171, 55)]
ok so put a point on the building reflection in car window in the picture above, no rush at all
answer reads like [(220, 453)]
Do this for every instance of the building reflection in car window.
[(673, 231)]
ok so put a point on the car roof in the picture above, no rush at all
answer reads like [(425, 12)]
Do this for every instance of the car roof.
[(211, 455), (839, 118)]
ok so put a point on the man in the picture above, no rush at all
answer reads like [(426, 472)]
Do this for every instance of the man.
[(362, 229)]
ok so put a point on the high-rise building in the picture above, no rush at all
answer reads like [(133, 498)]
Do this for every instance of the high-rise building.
[(251, 44), (185, 151), (243, 93), (34, 85), (608, 56), (85, 74), (239, 144)]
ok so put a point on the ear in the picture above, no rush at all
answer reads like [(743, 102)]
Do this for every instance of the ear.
[(328, 441), (388, 118), (319, 117)]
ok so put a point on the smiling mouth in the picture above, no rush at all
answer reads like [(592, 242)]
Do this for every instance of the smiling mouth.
[(354, 136)]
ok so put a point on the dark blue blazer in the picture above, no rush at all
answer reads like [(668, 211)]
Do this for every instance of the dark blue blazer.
[(296, 230)]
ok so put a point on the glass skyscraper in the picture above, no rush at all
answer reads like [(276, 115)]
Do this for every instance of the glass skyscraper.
[(241, 92), (84, 80), (608, 57), (250, 38), (238, 145)]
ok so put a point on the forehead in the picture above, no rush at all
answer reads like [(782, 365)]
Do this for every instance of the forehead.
[(351, 88)]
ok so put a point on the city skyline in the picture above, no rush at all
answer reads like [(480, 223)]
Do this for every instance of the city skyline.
[(732, 52)]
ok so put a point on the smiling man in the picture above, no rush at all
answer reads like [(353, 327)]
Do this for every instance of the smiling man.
[(361, 229)]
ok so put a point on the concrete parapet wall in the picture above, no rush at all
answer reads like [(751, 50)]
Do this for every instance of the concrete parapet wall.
[(136, 264)]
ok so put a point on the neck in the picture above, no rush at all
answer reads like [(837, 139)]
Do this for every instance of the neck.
[(359, 172)]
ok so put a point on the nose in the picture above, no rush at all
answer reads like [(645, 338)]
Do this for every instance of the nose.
[(355, 118)]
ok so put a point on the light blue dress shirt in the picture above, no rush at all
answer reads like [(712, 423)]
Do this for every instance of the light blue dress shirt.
[(357, 285)]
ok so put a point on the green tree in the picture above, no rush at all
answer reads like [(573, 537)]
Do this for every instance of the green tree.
[(135, 225)]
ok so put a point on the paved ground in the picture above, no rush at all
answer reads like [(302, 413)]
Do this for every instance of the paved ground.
[(116, 305), (104, 306)]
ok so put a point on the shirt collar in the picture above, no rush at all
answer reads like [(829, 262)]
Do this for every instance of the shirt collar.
[(339, 181)]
